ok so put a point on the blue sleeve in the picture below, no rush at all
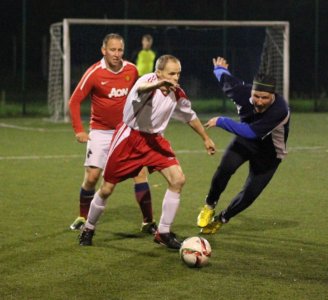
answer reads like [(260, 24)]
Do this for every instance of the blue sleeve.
[(219, 71), (240, 129), (232, 87)]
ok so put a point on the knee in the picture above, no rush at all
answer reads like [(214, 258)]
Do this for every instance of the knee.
[(90, 183), (178, 182), (91, 178), (106, 190), (225, 170)]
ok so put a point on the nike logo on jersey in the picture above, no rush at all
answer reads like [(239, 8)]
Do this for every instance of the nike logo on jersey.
[(104, 82), (118, 92)]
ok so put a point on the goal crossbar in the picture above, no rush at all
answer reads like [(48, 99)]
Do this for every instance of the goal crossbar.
[(176, 22)]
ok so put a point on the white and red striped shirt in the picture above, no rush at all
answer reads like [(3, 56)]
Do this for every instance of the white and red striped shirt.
[(150, 112), (108, 91)]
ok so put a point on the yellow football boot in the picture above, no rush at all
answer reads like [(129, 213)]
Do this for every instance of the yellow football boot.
[(205, 216), (212, 227), (78, 223)]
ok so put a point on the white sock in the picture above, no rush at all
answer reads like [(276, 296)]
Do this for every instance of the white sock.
[(170, 206), (97, 207)]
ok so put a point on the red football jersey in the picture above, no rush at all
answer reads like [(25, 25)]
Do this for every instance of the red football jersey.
[(108, 91)]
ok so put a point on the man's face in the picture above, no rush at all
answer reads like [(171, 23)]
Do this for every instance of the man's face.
[(146, 43), (261, 100), (113, 53), (172, 71)]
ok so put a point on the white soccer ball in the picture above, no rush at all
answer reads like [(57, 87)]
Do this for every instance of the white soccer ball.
[(195, 251)]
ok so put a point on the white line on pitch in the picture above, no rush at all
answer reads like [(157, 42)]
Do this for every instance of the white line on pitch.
[(4, 125), (291, 149), (301, 148), (39, 157)]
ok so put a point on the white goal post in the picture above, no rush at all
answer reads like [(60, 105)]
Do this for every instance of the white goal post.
[(276, 44)]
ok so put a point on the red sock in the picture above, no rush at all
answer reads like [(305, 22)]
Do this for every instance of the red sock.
[(143, 198), (85, 200)]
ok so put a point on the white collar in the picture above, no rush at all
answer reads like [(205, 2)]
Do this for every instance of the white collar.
[(104, 66)]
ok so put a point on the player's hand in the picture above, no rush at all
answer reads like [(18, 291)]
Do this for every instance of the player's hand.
[(220, 62), (210, 146), (169, 85), (211, 123), (82, 137)]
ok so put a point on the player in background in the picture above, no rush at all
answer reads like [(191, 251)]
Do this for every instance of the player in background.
[(260, 140), (138, 141), (146, 56), (108, 83)]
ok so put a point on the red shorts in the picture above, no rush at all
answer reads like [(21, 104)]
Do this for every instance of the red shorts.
[(131, 150)]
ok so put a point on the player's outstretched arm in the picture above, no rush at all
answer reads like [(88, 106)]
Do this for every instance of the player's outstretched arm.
[(196, 125), (165, 85), (211, 123)]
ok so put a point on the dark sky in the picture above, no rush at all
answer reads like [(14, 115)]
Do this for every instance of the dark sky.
[(300, 14)]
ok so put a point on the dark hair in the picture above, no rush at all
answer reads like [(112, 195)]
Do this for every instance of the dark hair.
[(264, 83), (147, 37)]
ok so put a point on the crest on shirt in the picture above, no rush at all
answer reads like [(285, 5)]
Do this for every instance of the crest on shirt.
[(127, 78)]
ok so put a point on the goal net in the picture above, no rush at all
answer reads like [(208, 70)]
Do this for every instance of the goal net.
[(249, 46), (56, 103)]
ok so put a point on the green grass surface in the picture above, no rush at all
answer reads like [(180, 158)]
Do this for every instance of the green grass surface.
[(276, 249)]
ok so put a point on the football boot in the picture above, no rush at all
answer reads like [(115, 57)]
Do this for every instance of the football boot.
[(85, 237), (205, 216), (78, 223), (149, 227), (212, 227), (167, 239)]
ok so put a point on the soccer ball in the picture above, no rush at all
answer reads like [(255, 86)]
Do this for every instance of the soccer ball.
[(195, 251)]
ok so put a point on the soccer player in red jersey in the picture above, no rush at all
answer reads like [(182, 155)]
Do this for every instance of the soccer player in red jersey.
[(108, 83), (138, 142)]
